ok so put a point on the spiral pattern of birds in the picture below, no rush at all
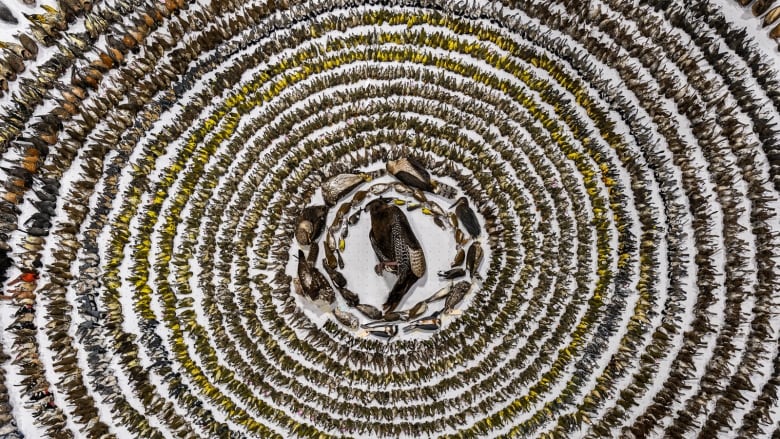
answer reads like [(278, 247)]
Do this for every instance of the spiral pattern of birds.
[(625, 158)]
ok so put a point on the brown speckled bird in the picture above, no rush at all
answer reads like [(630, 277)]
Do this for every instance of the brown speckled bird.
[(396, 247)]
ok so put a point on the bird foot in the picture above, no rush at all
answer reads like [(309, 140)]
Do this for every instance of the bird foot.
[(382, 266)]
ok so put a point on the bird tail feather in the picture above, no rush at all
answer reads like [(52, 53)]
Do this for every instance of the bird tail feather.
[(401, 287), (445, 190)]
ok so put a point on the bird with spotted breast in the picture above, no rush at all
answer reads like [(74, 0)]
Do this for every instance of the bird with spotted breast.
[(396, 247)]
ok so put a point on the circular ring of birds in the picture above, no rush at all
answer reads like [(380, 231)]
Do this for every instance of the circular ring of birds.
[(161, 163), (394, 243)]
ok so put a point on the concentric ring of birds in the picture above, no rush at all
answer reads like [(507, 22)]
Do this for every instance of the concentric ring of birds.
[(399, 219)]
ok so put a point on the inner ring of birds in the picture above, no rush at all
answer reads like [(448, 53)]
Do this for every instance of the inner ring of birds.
[(388, 251)]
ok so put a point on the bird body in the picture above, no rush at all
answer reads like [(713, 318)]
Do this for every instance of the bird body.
[(346, 318), (336, 187), (369, 311), (429, 323), (457, 294), (396, 247), (474, 258), (452, 274), (310, 224), (411, 173), (6, 15), (386, 332), (467, 217)]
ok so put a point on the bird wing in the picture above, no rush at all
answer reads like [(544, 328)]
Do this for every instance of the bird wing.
[(469, 220), (419, 169), (413, 180), (413, 252), (377, 248)]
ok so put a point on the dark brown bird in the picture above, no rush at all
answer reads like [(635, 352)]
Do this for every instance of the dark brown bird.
[(310, 224), (6, 15), (412, 173), (467, 217), (396, 247), (312, 282), (474, 258)]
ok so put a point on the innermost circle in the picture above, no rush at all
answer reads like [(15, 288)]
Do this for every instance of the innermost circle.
[(441, 241)]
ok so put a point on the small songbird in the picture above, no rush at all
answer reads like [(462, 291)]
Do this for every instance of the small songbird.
[(346, 318), (386, 331), (396, 247), (412, 173), (467, 217), (429, 323), (6, 15), (474, 259), (310, 224), (453, 273), (457, 294)]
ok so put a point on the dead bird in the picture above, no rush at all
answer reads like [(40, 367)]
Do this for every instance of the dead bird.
[(336, 187), (386, 331), (311, 221), (460, 256), (771, 17), (474, 259), (395, 316), (441, 294), (428, 323), (396, 247), (417, 310), (351, 298), (412, 173), (761, 6), (369, 311), (452, 274), (354, 218), (457, 294), (467, 217), (338, 279), (346, 318), (312, 282), (6, 15)]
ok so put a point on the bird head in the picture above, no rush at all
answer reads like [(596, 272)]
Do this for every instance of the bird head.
[(376, 205), (392, 166), (461, 200)]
